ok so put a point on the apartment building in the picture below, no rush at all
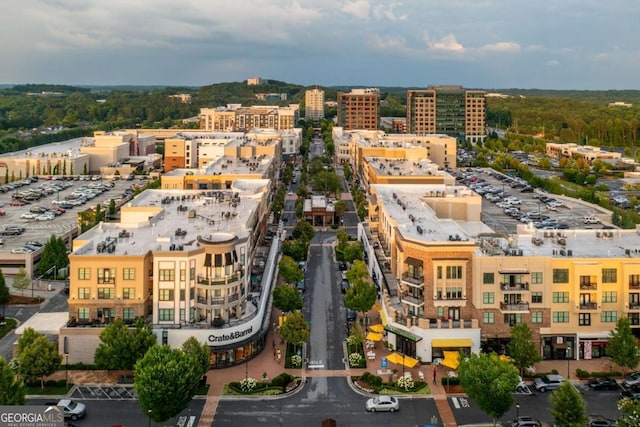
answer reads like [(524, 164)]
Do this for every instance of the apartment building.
[(359, 109), (449, 110), (236, 118), (180, 259), (314, 104), (588, 152)]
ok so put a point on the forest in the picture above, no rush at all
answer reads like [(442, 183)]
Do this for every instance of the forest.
[(36, 114)]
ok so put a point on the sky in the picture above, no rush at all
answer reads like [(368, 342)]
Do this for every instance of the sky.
[(544, 44)]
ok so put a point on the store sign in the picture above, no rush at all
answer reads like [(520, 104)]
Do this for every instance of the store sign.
[(231, 336)]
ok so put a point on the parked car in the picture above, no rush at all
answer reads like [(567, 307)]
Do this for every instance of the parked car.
[(383, 403), (631, 380), (344, 286), (603, 383), (525, 421), (548, 382), (600, 421), (351, 315), (21, 251)]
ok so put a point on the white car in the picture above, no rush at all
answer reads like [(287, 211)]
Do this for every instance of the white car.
[(21, 251), (28, 215), (383, 403)]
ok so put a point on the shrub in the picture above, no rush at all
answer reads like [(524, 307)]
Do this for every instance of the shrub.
[(355, 359), (366, 377), (377, 381), (248, 384), (296, 361), (405, 383), (282, 380), (606, 374), (581, 373), (554, 371), (450, 381)]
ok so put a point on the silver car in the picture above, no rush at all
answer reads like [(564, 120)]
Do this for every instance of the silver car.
[(383, 403)]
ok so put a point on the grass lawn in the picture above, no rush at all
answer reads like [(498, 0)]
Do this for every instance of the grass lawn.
[(49, 390), (5, 329)]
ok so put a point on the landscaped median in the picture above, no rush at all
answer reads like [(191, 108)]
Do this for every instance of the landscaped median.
[(249, 387), (374, 384)]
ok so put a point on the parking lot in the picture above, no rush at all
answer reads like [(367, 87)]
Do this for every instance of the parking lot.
[(509, 202), (33, 211)]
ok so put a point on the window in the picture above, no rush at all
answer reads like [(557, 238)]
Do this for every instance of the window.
[(84, 293), (192, 273), (107, 314), (165, 295), (513, 319), (488, 278), (439, 272), (560, 275), (127, 314), (634, 280), (488, 298), (166, 275), (83, 314), (454, 272), (128, 274), (183, 293), (183, 274), (560, 317), (183, 313), (105, 293), (106, 275), (128, 293), (84, 274), (609, 316), (609, 296), (165, 314), (536, 317), (536, 278), (454, 293), (560, 297), (584, 319), (488, 317), (609, 275), (536, 297)]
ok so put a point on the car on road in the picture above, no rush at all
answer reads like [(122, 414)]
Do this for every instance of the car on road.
[(525, 421), (603, 383), (383, 403), (631, 380), (548, 382)]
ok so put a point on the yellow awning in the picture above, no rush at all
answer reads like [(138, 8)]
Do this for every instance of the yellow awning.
[(376, 307), (374, 336), (383, 317), (398, 359), (377, 328), (281, 319), (451, 359), (451, 343)]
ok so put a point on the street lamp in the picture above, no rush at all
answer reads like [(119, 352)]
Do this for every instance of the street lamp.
[(568, 362), (149, 411), (66, 370), (517, 411)]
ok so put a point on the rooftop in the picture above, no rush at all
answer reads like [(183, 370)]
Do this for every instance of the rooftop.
[(400, 166)]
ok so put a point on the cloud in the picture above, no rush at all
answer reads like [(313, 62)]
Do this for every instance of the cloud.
[(448, 43), (358, 8), (501, 47), (380, 13), (553, 62)]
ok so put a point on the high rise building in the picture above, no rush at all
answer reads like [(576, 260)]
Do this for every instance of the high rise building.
[(314, 104), (359, 109), (450, 110)]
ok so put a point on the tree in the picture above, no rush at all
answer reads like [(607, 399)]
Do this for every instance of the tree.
[(567, 406), (54, 254), (21, 281), (286, 298), (522, 349), (5, 295), (361, 296), (198, 352), (490, 382), (303, 230), (121, 347), (622, 347), (166, 381), (295, 329), (630, 412), (11, 387), (37, 357), (289, 270)]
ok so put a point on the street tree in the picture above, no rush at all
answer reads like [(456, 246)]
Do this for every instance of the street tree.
[(21, 280), (567, 406), (303, 230), (361, 296), (37, 358), (5, 295), (341, 207), (522, 349), (166, 381), (11, 386), (490, 382), (296, 249), (295, 329), (198, 352), (622, 346), (286, 298), (289, 270), (121, 347), (54, 254)]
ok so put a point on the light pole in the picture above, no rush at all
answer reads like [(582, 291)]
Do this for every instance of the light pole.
[(517, 411), (66, 370), (568, 362), (149, 411)]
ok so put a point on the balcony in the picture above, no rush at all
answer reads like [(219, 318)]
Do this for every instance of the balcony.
[(520, 306), (411, 300), (588, 286), (220, 281), (413, 281), (515, 286), (634, 285), (589, 306), (106, 280), (451, 301)]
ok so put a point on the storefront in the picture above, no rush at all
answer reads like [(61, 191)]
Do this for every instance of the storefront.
[(592, 346), (558, 347)]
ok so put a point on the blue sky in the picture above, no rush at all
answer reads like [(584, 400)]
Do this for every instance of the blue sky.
[(546, 44)]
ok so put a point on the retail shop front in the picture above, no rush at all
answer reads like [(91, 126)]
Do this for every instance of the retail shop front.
[(558, 347), (592, 346)]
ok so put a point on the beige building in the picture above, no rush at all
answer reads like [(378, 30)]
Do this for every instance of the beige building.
[(588, 152), (314, 104), (235, 118)]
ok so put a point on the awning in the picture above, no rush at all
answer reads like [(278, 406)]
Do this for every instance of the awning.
[(407, 335), (451, 359), (413, 261), (377, 328), (513, 271), (451, 343), (383, 317), (405, 360), (374, 336), (376, 307)]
